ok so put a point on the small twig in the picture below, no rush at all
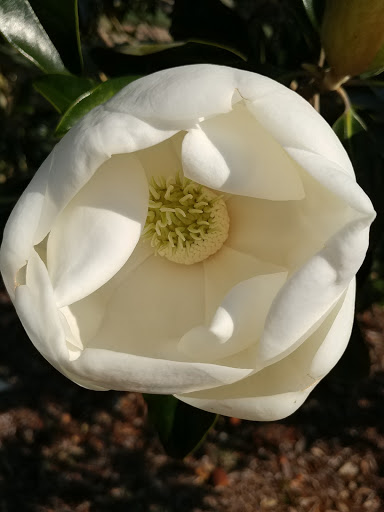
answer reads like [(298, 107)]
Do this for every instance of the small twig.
[(344, 96), (316, 102)]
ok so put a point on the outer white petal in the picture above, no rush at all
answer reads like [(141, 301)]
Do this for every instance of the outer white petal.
[(188, 93), (318, 284), (75, 159), (298, 126), (234, 153), (105, 369), (35, 305), (18, 237), (280, 389), (66, 170), (185, 93), (126, 372)]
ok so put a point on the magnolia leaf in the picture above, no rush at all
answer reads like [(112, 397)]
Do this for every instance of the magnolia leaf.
[(89, 100), (348, 125), (113, 61), (377, 65), (62, 90), (181, 428), (314, 10), (365, 150), (147, 49), (61, 22), (22, 28)]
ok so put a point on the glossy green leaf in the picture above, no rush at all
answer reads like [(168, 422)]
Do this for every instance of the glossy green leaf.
[(22, 28), (89, 100), (112, 61), (61, 22), (62, 90), (181, 428), (377, 65), (314, 10), (348, 125)]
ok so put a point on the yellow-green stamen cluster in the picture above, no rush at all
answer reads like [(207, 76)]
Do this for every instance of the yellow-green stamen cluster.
[(186, 222)]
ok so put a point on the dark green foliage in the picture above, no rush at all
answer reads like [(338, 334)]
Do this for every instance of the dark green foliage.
[(181, 428)]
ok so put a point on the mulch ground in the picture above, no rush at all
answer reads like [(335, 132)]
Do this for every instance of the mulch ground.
[(63, 448)]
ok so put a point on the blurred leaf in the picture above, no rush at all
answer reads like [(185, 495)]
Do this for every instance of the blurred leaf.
[(314, 9), (377, 65), (114, 62), (62, 90), (161, 413), (22, 28), (147, 49), (61, 22), (181, 428), (348, 125), (89, 100)]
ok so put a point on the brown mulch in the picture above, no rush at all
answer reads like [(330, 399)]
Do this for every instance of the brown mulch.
[(64, 448)]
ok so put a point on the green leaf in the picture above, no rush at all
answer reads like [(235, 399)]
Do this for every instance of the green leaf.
[(147, 49), (22, 28), (377, 65), (112, 61), (314, 10), (62, 90), (348, 125), (181, 428), (61, 22), (89, 100)]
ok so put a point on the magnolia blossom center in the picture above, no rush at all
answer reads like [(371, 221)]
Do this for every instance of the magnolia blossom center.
[(186, 221)]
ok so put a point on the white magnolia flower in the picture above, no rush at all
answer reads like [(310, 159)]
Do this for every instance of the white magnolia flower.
[(197, 235)]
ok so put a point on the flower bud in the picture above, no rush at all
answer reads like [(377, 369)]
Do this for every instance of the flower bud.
[(352, 35)]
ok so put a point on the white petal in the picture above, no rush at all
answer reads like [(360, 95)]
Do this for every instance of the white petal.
[(104, 369), (126, 372), (332, 348), (281, 388), (35, 305), (179, 94), (234, 153), (237, 323), (152, 308), (255, 408), (36, 308), (334, 179), (163, 159), (82, 151), (293, 122), (84, 318), (287, 232), (312, 290), (226, 269), (98, 230), (19, 232), (145, 315), (318, 284)]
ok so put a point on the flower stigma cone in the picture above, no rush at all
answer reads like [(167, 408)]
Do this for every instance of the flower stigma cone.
[(196, 235), (186, 222)]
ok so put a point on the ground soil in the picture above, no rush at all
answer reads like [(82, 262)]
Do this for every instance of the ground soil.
[(64, 448)]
